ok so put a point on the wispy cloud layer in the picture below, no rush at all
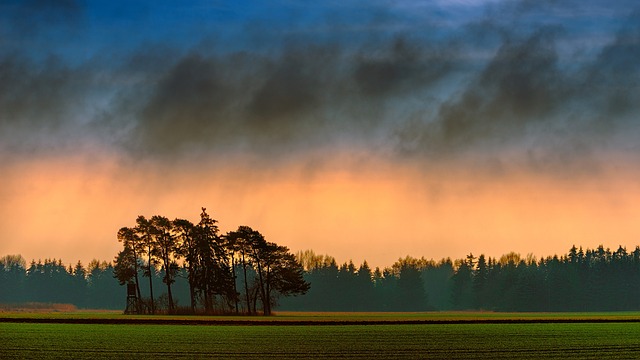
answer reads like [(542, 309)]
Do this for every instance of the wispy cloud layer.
[(530, 83)]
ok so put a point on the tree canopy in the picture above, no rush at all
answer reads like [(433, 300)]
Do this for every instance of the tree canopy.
[(269, 271)]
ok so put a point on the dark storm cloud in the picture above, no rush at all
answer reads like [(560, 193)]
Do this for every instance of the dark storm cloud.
[(189, 101), (288, 90), (40, 93), (400, 64), (301, 95), (522, 76), (615, 75), (558, 113), (211, 101), (521, 84), (40, 104)]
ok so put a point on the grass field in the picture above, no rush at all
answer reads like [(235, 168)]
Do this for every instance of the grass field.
[(330, 317), (388, 340)]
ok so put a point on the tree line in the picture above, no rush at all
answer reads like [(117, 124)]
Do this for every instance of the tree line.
[(580, 280), (212, 264), (50, 281)]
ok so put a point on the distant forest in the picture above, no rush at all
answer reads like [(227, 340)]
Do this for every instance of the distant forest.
[(591, 280)]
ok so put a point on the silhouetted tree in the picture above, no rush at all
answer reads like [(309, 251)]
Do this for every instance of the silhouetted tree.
[(79, 284), (213, 275), (12, 277), (411, 288), (233, 243), (438, 283), (185, 234), (462, 287), (130, 239), (124, 269), (480, 282), (244, 239), (364, 288), (144, 229), (281, 273), (103, 291), (167, 250)]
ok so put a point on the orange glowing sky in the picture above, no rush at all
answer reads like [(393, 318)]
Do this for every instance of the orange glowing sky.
[(68, 208), (362, 130)]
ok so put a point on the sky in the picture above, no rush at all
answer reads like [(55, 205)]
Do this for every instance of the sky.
[(366, 130)]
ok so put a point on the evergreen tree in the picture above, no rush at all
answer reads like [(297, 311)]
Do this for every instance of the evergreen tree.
[(130, 239), (144, 230), (167, 252), (187, 249)]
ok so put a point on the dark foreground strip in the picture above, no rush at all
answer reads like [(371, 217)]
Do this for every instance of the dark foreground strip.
[(306, 322)]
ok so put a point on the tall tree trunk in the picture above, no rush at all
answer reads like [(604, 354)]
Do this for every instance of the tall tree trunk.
[(246, 284), (261, 282), (170, 299), (137, 284), (168, 281), (135, 276), (235, 288), (255, 301), (191, 289), (267, 302), (205, 292), (138, 303), (208, 303), (153, 306)]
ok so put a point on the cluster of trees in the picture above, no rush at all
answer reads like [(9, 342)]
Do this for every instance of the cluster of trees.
[(225, 273), (581, 280), (51, 282)]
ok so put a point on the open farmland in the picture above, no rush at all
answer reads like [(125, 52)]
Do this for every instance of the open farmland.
[(319, 318), (361, 339)]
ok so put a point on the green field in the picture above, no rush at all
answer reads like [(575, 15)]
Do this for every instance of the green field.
[(426, 340), (324, 317)]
